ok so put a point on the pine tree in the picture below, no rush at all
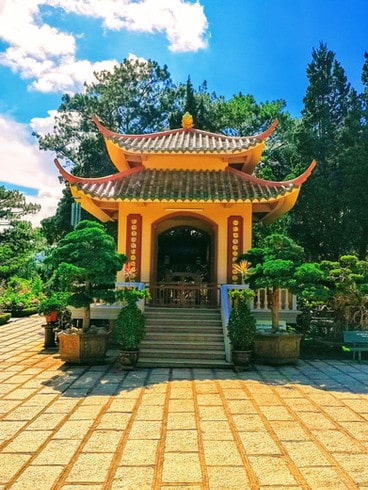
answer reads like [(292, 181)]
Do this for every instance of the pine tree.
[(317, 218)]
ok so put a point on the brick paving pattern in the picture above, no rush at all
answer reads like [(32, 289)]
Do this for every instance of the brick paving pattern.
[(97, 427)]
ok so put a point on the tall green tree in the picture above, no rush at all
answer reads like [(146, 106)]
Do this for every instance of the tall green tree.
[(354, 158), (13, 205), (19, 245), (317, 218)]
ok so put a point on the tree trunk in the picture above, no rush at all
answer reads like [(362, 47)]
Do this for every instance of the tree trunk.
[(275, 307), (86, 318), (87, 309)]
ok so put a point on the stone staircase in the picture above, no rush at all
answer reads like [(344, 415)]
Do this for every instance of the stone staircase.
[(183, 337)]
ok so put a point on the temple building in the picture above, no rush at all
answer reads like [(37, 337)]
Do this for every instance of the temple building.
[(185, 201)]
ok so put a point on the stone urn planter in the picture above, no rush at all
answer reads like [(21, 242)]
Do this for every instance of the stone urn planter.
[(242, 358), (83, 348), (277, 348), (127, 359)]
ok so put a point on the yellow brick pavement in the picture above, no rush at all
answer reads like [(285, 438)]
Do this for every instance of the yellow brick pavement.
[(96, 427)]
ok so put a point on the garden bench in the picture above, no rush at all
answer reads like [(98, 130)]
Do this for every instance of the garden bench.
[(357, 342)]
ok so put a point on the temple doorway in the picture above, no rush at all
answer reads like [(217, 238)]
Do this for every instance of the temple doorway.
[(183, 254), (184, 269)]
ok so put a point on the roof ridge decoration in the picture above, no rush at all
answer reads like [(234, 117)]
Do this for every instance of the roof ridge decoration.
[(187, 121)]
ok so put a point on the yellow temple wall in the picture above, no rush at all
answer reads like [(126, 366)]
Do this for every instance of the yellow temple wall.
[(218, 214), (185, 161)]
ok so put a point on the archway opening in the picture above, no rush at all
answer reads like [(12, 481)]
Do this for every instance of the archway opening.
[(184, 254)]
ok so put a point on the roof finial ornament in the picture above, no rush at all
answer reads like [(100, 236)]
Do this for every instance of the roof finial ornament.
[(187, 121)]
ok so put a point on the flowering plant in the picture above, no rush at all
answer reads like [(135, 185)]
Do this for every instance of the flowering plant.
[(242, 268)]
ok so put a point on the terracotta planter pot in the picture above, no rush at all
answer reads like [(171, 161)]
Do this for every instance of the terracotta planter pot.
[(128, 359), (82, 348), (51, 317), (277, 348)]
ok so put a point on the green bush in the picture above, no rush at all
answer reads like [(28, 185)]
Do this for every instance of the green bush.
[(242, 325), (4, 318), (130, 325), (20, 297)]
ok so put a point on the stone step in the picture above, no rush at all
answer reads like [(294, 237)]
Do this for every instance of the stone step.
[(183, 329), (183, 337), (181, 353), (162, 336), (183, 363), (181, 313), (191, 344), (179, 324)]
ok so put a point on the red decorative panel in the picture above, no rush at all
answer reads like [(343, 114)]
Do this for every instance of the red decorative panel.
[(134, 245), (234, 246)]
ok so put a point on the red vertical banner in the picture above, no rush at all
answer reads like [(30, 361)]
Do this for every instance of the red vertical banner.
[(234, 246), (134, 245)]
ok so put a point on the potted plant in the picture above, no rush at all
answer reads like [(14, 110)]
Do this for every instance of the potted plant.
[(130, 327), (277, 265), (84, 265), (51, 305), (241, 328)]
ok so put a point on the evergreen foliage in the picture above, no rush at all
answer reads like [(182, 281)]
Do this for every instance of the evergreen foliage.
[(13, 205), (85, 264), (130, 325), (279, 264), (241, 328)]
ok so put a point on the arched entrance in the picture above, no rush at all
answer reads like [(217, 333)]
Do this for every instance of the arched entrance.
[(184, 258), (183, 251)]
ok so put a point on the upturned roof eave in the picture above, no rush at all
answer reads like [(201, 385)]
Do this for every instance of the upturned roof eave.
[(297, 181), (98, 180), (107, 133)]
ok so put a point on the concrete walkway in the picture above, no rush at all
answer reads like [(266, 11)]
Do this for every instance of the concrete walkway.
[(96, 427)]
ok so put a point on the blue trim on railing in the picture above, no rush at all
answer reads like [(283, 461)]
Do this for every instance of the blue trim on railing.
[(138, 285)]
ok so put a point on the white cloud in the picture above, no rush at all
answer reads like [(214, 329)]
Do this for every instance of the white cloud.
[(24, 165), (183, 22), (47, 56), (44, 125)]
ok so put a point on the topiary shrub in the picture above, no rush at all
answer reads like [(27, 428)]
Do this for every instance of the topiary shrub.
[(242, 325)]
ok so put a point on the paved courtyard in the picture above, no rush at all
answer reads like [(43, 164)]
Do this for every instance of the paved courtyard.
[(96, 427)]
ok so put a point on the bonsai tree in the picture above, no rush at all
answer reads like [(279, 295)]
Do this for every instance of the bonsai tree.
[(241, 328), (348, 286), (277, 265), (85, 264)]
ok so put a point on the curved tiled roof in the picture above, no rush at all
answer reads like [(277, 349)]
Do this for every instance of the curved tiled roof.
[(151, 185), (183, 141)]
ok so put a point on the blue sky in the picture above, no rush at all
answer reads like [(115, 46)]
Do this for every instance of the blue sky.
[(260, 47)]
